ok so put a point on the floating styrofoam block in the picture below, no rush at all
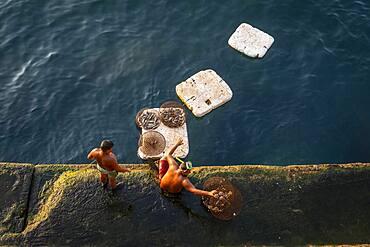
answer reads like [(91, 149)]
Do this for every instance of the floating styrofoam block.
[(171, 136), (203, 92), (250, 41)]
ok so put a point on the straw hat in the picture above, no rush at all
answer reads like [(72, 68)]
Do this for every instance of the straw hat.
[(152, 143)]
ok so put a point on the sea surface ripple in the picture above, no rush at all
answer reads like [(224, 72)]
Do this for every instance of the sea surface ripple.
[(75, 72)]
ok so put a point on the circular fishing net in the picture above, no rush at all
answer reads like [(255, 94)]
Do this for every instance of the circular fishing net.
[(172, 114), (152, 143), (147, 119), (228, 200)]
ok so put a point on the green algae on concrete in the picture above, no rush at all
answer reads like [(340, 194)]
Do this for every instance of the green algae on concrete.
[(43, 178), (294, 205), (15, 182), (48, 182), (319, 204)]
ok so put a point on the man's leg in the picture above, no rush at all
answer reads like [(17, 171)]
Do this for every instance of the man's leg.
[(103, 178), (112, 182)]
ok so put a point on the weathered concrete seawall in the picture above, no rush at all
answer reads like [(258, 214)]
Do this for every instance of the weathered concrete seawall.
[(65, 205)]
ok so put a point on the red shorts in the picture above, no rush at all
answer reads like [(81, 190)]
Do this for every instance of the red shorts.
[(163, 167)]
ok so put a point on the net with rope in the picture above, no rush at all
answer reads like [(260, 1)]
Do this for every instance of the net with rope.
[(228, 200), (172, 114), (152, 143), (147, 119)]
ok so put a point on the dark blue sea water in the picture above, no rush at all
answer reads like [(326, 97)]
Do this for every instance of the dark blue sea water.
[(75, 72)]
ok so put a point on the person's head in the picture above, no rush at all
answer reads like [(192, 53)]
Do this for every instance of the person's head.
[(106, 145), (185, 168)]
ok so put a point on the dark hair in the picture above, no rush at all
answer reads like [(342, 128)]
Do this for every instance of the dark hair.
[(183, 166), (106, 145)]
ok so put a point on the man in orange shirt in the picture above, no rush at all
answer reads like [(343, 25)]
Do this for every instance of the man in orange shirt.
[(173, 177), (106, 163)]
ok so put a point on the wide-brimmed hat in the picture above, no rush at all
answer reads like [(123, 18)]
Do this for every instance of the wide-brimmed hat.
[(152, 143)]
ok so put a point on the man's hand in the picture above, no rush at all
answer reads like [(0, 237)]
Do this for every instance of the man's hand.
[(179, 142), (120, 168), (124, 169), (173, 148), (212, 193)]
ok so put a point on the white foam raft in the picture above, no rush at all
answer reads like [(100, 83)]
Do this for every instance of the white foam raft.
[(203, 92), (171, 135), (250, 41)]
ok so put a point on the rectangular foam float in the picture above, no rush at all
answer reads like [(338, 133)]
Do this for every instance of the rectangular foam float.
[(203, 92), (250, 41), (171, 136)]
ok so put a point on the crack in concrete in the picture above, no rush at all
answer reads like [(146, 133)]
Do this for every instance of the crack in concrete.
[(25, 220)]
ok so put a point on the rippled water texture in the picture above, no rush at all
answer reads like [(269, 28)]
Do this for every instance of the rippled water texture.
[(75, 72)]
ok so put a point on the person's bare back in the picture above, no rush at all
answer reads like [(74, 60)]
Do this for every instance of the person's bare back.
[(172, 180), (107, 163), (175, 177)]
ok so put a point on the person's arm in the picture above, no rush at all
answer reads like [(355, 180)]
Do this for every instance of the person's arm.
[(168, 155), (119, 168), (173, 148), (93, 153), (191, 188)]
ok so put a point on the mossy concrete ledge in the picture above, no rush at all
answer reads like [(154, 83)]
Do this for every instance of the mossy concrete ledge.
[(59, 205)]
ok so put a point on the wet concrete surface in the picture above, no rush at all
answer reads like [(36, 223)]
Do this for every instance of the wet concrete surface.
[(15, 182), (293, 205)]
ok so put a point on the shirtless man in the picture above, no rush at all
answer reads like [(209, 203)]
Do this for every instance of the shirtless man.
[(107, 163), (173, 177)]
